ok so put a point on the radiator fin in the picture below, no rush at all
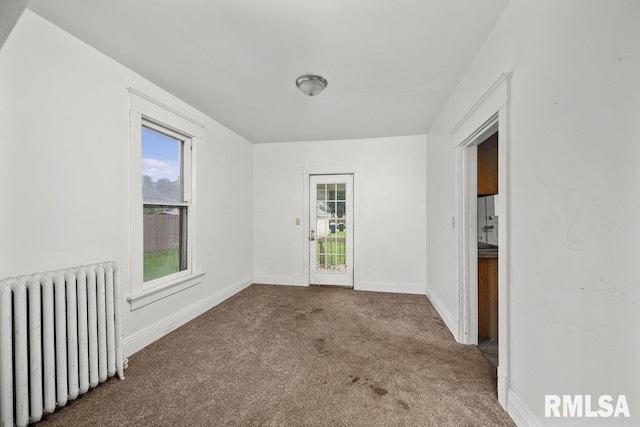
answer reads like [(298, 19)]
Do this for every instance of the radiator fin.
[(60, 336)]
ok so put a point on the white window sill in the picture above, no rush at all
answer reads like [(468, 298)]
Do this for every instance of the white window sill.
[(163, 290)]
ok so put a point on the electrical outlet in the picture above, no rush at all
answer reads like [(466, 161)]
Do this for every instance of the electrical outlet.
[(297, 221), (453, 222)]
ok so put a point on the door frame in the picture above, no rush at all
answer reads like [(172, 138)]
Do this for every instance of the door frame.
[(489, 114), (306, 173), (343, 279)]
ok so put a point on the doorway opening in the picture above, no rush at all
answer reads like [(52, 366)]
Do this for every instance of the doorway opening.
[(331, 230), (487, 230)]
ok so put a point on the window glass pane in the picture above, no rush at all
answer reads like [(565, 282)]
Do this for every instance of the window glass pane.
[(161, 167), (331, 226), (164, 241), (331, 188)]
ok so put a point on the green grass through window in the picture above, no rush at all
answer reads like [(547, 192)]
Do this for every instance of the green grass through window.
[(161, 263), (332, 252)]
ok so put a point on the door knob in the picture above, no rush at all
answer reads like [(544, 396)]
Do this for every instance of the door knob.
[(312, 235)]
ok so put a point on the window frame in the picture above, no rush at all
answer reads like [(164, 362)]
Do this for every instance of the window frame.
[(161, 118), (186, 181)]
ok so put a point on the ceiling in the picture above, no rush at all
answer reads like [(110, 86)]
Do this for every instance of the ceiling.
[(10, 12), (391, 65)]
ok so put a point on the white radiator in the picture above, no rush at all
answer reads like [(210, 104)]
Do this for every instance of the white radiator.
[(60, 335)]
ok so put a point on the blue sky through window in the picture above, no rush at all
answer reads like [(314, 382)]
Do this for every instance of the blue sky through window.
[(160, 155)]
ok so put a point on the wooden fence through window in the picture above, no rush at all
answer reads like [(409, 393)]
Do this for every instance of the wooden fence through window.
[(161, 232)]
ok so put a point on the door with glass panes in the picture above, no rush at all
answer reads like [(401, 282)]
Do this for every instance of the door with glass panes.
[(331, 230)]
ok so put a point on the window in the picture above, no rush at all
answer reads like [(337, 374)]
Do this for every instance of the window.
[(165, 206), (164, 144)]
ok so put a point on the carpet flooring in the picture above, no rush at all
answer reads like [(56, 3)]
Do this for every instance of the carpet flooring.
[(490, 350), (294, 356)]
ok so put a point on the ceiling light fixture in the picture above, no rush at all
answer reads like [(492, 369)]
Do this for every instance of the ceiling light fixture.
[(310, 84)]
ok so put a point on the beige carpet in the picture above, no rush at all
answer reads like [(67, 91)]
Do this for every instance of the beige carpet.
[(290, 356)]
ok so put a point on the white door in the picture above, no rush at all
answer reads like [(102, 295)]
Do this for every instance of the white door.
[(331, 230)]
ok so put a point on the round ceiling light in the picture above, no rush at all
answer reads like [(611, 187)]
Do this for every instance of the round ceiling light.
[(310, 84)]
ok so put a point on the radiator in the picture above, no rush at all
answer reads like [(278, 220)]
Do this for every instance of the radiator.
[(60, 336)]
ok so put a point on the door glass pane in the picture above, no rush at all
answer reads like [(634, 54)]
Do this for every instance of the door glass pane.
[(331, 228), (161, 167), (164, 241), (331, 188)]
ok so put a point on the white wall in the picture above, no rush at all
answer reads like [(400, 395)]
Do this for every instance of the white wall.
[(389, 206), (64, 175), (575, 197)]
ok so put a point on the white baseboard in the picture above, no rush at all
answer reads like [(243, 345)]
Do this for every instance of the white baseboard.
[(390, 287), (143, 338), (274, 280), (519, 412), (503, 387), (444, 313)]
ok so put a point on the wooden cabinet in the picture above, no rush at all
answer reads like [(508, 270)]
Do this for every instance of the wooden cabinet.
[(488, 166), (488, 296)]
